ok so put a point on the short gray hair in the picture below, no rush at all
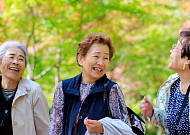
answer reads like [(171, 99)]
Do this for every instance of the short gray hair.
[(5, 45)]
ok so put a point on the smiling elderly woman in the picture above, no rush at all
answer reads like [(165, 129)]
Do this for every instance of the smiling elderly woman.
[(173, 102), (81, 101), (23, 107)]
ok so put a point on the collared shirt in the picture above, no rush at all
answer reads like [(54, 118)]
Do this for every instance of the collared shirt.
[(116, 103)]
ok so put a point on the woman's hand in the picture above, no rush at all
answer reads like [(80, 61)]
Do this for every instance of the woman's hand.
[(146, 108), (93, 126)]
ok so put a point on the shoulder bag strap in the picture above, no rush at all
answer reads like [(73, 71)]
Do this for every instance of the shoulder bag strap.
[(105, 97), (182, 107)]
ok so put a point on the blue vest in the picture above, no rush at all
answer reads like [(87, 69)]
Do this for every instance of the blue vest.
[(94, 107)]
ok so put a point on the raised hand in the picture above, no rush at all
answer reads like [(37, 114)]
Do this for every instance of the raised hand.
[(146, 108)]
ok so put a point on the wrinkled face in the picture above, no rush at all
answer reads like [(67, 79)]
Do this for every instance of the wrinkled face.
[(95, 63), (13, 64), (176, 62)]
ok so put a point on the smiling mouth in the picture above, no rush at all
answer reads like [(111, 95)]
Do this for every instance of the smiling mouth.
[(97, 69), (14, 69)]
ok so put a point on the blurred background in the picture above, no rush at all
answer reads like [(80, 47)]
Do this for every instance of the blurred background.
[(142, 31)]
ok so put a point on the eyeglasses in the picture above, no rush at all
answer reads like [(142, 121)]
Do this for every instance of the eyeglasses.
[(174, 46)]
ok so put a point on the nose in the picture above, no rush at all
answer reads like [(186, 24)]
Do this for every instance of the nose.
[(15, 61), (100, 62)]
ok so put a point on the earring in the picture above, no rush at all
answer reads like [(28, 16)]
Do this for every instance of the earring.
[(183, 66)]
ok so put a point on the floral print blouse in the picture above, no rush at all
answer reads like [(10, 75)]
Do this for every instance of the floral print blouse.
[(116, 102), (160, 113), (174, 106)]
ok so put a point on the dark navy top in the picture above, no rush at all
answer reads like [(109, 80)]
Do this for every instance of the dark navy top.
[(174, 106)]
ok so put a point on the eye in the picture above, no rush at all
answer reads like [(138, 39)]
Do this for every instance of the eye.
[(174, 46), (21, 59), (106, 58), (95, 56)]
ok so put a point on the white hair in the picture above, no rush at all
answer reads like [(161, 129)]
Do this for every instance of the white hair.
[(5, 45)]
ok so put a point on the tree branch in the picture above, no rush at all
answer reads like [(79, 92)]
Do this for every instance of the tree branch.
[(47, 69)]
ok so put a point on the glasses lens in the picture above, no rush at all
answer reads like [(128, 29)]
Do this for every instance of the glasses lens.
[(174, 46)]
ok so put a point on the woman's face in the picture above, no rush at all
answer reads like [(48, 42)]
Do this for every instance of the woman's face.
[(13, 64), (95, 63), (176, 62)]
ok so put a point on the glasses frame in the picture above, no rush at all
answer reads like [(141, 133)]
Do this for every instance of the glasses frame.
[(174, 46)]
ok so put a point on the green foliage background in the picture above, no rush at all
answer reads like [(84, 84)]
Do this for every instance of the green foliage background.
[(142, 31)]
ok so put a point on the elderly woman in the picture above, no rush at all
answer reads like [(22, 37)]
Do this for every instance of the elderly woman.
[(172, 93), (82, 100), (23, 106)]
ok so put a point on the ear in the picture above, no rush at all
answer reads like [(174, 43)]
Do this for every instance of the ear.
[(187, 62), (80, 60), (0, 67)]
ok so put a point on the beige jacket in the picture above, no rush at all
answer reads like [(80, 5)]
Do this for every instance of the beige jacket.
[(30, 113)]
